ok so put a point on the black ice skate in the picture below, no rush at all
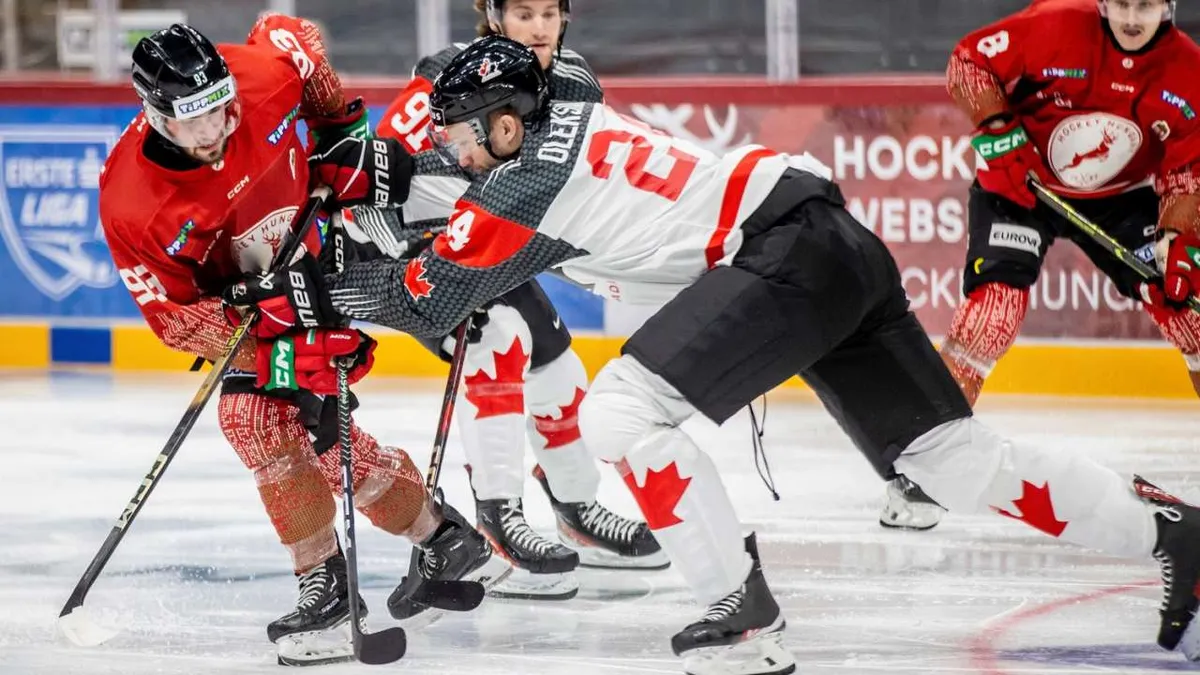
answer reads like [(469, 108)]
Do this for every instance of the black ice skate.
[(603, 538), (741, 634), (318, 631), (908, 507), (1178, 553), (543, 570), (454, 553)]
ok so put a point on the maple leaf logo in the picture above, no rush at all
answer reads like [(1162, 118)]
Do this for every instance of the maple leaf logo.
[(658, 495), (1036, 509), (415, 280), (505, 394), (565, 429)]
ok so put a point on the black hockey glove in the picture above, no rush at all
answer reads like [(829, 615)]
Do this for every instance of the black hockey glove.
[(294, 297), (374, 172)]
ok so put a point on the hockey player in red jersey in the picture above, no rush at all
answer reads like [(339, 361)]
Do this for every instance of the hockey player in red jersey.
[(199, 192), (1096, 99), (765, 275), (523, 361)]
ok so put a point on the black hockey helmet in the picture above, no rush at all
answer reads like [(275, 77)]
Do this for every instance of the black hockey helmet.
[(179, 75), (495, 14), (491, 73)]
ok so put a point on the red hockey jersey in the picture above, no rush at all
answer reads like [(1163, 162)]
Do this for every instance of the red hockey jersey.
[(1103, 120), (180, 237)]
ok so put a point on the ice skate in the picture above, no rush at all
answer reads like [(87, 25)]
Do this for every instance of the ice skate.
[(455, 552), (603, 538), (741, 634), (318, 631), (908, 507), (1178, 553), (542, 569)]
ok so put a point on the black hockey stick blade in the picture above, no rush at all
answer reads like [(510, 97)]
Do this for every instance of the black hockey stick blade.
[(72, 621), (1098, 235), (450, 595), (382, 647)]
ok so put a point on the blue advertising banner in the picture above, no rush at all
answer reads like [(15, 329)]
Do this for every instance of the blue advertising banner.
[(54, 264)]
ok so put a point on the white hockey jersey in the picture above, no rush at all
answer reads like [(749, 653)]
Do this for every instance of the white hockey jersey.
[(635, 214)]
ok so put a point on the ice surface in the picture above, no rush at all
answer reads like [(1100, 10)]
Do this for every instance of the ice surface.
[(200, 573)]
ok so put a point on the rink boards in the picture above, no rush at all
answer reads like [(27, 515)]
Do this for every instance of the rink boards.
[(898, 148)]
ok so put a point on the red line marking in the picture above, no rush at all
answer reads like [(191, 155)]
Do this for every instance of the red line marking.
[(982, 649)]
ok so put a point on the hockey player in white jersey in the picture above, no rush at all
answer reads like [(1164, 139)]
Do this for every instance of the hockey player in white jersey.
[(766, 276), (521, 357)]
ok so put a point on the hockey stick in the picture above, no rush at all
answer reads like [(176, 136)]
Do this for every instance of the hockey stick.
[(1102, 238), (456, 596), (71, 621), (389, 644)]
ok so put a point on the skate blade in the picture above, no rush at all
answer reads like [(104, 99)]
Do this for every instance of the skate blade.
[(78, 627), (491, 573), (598, 558), (316, 648), (900, 515), (522, 585), (1189, 642), (762, 654)]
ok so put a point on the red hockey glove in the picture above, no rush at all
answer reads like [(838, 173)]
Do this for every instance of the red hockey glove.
[(352, 122), (309, 360), (290, 298), (1178, 257), (375, 172), (1010, 156)]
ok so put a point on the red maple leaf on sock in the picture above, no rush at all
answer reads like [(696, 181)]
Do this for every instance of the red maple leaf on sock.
[(658, 495), (564, 429), (506, 393), (1036, 509)]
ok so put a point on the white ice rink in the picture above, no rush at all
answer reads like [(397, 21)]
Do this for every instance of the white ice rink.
[(200, 573)]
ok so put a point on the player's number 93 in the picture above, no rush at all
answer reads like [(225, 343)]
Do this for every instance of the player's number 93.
[(286, 41)]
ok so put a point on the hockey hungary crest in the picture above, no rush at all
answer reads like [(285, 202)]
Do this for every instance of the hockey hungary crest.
[(49, 207)]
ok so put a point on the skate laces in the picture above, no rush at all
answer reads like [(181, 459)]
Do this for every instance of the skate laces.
[(430, 563), (512, 522), (1168, 576), (312, 586), (725, 607), (608, 525)]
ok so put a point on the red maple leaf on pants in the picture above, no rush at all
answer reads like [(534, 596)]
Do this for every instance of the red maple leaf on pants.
[(1036, 509), (506, 393), (658, 495), (565, 429), (415, 282)]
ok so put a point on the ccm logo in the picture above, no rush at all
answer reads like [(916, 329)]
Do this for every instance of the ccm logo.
[(383, 196), (1017, 237)]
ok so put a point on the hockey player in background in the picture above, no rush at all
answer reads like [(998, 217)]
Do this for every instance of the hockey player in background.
[(523, 360), (1096, 98), (766, 275), (199, 192)]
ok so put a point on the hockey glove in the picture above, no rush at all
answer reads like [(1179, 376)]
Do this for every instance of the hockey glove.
[(353, 123), (1010, 156), (294, 297), (1178, 257), (375, 172), (309, 360)]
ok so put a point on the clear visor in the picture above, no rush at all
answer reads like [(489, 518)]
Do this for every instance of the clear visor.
[(455, 143), (1137, 11), (208, 129)]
